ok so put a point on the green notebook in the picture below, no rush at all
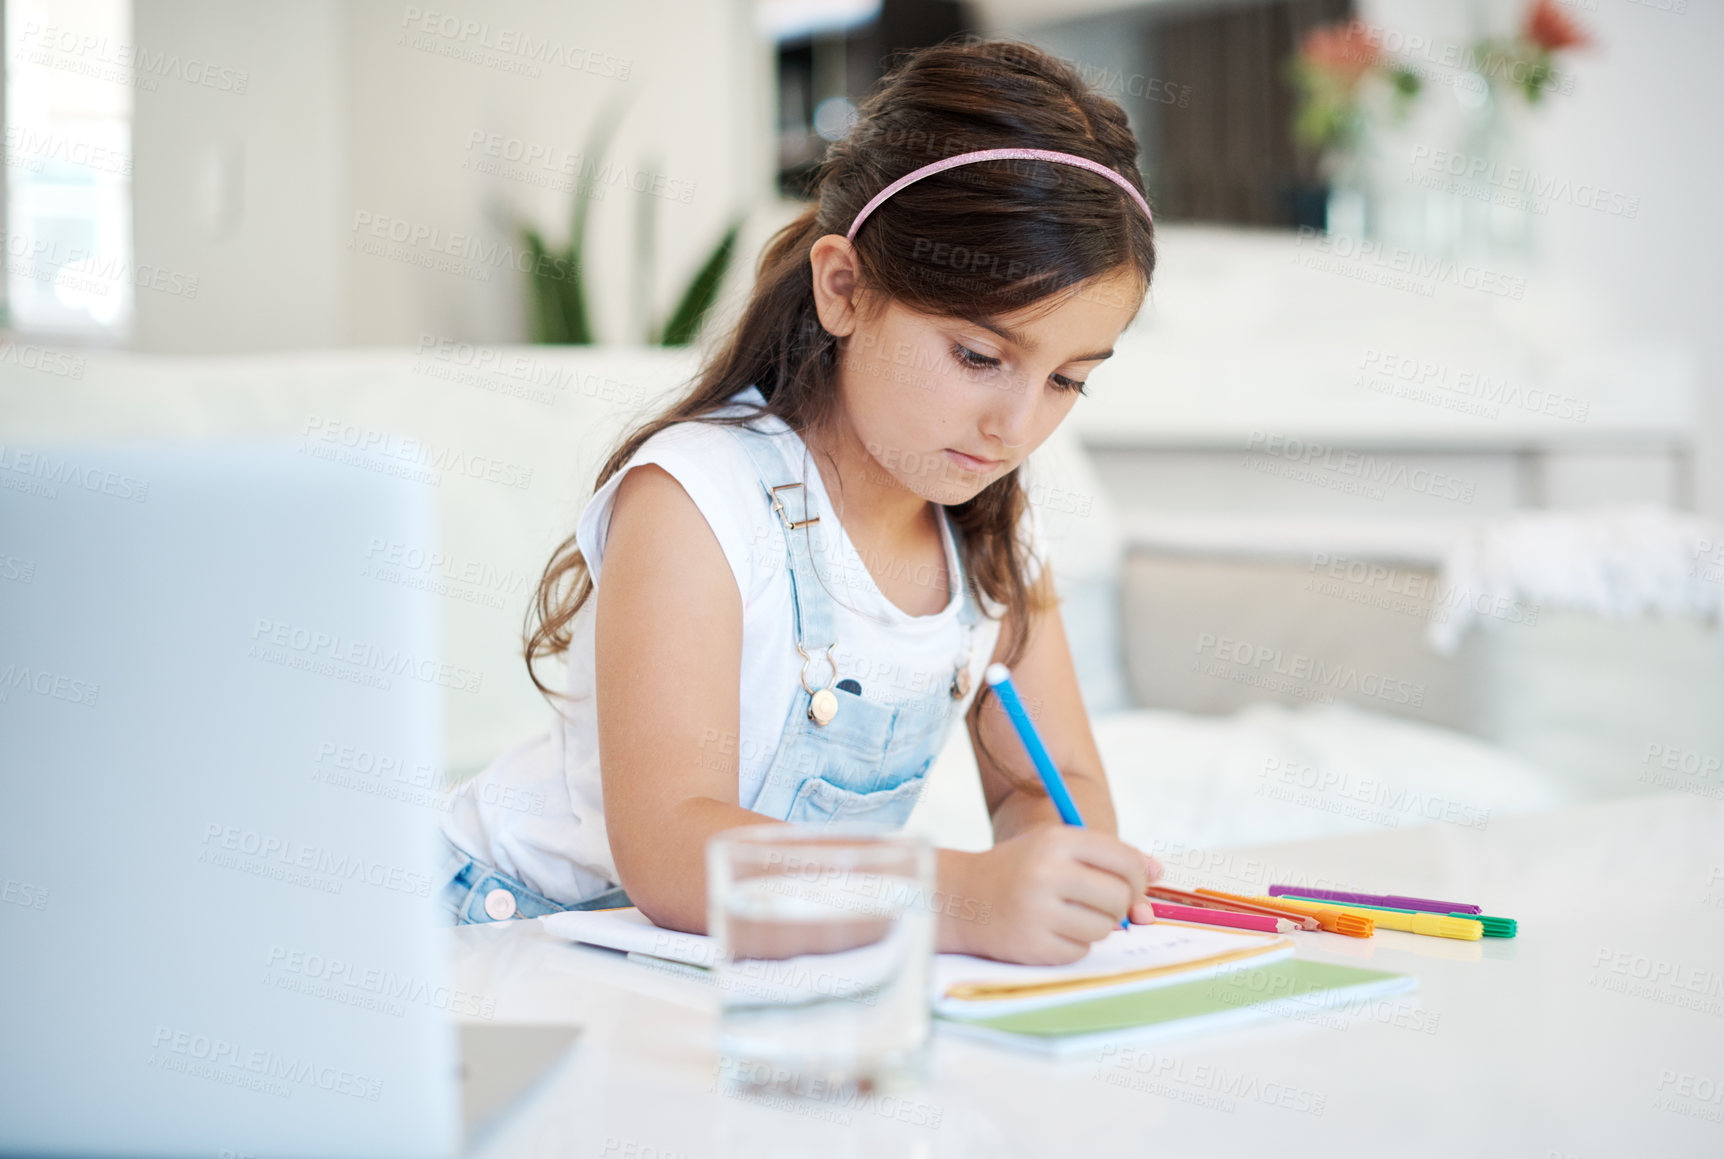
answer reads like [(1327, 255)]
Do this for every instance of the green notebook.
[(1292, 988)]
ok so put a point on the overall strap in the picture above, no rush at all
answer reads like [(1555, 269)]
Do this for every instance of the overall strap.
[(784, 487)]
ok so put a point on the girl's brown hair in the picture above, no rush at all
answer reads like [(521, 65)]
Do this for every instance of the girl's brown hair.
[(972, 242)]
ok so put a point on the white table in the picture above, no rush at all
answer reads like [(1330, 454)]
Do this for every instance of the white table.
[(1549, 1045)]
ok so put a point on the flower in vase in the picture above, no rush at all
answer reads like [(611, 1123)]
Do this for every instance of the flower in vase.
[(1343, 52), (1552, 29), (1331, 71), (1528, 59)]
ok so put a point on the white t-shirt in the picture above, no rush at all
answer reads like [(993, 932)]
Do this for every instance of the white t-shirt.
[(559, 846)]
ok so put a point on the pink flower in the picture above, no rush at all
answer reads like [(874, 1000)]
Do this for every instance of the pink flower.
[(1344, 50), (1552, 29)]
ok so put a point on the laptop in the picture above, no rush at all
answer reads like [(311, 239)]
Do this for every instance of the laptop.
[(220, 922)]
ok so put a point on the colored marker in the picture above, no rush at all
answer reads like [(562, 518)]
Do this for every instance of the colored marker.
[(999, 678), (1493, 927), (1412, 921), (1392, 901)]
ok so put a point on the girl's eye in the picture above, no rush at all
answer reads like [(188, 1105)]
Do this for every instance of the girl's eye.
[(971, 360)]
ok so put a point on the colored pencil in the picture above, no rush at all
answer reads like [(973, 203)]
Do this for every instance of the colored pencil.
[(999, 678), (1186, 897), (1349, 924), (1262, 923)]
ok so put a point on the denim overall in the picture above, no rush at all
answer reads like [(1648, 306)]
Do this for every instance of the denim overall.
[(866, 765)]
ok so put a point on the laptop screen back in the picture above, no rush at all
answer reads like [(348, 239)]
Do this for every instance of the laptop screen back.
[(221, 770)]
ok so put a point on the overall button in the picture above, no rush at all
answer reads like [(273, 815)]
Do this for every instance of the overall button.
[(500, 904)]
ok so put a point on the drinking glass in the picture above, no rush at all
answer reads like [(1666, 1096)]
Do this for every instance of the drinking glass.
[(826, 941)]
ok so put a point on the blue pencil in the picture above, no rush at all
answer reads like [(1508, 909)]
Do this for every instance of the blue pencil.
[(999, 678)]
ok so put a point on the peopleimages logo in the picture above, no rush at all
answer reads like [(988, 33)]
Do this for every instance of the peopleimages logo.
[(225, 844), (815, 1091), (1188, 1082), (329, 438), (1334, 791), (1366, 470), (1370, 260), (1537, 188), (1417, 592), (43, 473), (344, 981), (1309, 670), (42, 682), (24, 143), (42, 359), (275, 640), (463, 38), (1463, 389), (132, 65), (205, 1056)]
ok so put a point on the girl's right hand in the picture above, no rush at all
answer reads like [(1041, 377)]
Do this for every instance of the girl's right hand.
[(1048, 892)]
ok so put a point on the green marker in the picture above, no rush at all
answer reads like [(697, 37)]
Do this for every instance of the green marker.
[(1493, 927)]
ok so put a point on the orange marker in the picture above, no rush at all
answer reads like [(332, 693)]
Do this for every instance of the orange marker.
[(1350, 924)]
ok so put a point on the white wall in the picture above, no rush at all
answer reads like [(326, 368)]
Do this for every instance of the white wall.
[(242, 190), (689, 81), (342, 117), (1640, 121), (355, 108)]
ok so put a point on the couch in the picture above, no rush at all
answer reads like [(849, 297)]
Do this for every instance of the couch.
[(540, 420)]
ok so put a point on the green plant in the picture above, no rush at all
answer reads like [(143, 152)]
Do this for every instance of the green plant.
[(697, 300), (557, 282)]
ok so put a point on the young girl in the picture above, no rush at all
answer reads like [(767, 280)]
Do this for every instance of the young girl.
[(786, 587)]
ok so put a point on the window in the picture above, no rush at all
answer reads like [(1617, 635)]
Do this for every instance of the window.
[(830, 54), (68, 99)]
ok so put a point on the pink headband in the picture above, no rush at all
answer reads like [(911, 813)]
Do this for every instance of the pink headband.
[(996, 155)]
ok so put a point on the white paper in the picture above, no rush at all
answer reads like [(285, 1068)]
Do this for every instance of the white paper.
[(1121, 952), (629, 929)]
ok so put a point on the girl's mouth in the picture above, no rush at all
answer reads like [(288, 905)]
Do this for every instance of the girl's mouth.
[(972, 462)]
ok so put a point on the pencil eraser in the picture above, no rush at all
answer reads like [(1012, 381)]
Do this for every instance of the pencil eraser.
[(997, 674)]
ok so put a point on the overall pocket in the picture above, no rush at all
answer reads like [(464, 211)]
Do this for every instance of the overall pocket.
[(858, 735), (844, 768), (849, 750), (820, 801)]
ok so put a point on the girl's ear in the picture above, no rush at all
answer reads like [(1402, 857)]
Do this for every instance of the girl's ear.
[(836, 284)]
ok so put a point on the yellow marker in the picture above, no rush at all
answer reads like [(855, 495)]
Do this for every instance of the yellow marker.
[(1434, 925)]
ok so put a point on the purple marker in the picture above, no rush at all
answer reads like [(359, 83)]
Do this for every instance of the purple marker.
[(1393, 901)]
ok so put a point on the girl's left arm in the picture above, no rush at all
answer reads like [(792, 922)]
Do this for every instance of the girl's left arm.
[(1046, 871)]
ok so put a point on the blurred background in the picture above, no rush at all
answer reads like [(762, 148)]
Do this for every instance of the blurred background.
[(1399, 504)]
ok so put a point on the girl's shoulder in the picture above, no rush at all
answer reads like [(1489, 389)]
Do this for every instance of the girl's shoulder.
[(715, 469)]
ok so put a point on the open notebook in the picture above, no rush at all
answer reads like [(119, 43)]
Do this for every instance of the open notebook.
[(1293, 989), (1126, 961)]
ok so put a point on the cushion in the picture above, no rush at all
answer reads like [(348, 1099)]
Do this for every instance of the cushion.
[(1267, 773)]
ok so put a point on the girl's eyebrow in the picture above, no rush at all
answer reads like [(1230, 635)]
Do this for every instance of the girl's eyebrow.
[(1018, 339)]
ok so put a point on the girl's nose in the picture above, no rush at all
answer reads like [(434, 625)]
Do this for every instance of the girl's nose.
[(1011, 417)]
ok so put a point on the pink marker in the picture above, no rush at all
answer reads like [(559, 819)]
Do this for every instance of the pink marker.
[(1262, 923)]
